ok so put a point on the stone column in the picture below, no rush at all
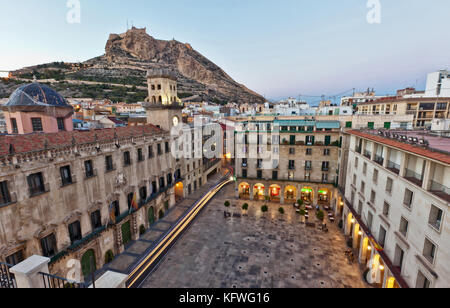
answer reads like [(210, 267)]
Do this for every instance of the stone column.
[(251, 192), (27, 272), (111, 280), (386, 153), (427, 176), (282, 194), (403, 164)]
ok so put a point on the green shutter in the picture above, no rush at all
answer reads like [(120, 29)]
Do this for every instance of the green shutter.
[(371, 125), (126, 233), (387, 125)]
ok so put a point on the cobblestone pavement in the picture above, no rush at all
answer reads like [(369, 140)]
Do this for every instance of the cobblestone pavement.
[(136, 250), (268, 250)]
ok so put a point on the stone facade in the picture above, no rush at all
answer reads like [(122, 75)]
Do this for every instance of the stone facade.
[(55, 206)]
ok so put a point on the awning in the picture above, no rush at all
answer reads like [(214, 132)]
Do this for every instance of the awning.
[(328, 124)]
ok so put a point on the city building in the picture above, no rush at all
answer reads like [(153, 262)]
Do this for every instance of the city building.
[(396, 207)]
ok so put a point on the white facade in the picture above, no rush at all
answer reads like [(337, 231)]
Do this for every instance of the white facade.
[(416, 229), (438, 84)]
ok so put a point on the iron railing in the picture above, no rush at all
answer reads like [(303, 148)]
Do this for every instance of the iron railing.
[(393, 167), (55, 282), (379, 160), (7, 279), (435, 186), (414, 177)]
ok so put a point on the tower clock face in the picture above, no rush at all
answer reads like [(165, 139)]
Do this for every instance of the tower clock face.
[(175, 121)]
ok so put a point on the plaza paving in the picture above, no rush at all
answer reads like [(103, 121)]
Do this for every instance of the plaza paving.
[(256, 251)]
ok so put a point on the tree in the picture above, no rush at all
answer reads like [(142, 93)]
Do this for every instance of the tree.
[(281, 210), (227, 204), (245, 207), (320, 215), (264, 208)]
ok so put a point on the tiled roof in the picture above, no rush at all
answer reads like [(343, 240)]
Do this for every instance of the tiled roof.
[(438, 156), (36, 142)]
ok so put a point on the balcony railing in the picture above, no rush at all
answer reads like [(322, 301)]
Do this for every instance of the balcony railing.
[(414, 177), (7, 279), (55, 282), (440, 190), (393, 167), (358, 150), (10, 199), (379, 160), (367, 154)]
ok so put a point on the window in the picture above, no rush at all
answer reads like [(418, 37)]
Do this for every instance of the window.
[(326, 152), (126, 158), (48, 245), (372, 197), (89, 170), (356, 162), (140, 155), (259, 174), (370, 220), (66, 176), (325, 166), (61, 126), (325, 177), (435, 219), (275, 175), (244, 162), (36, 123), (360, 207), (109, 163), (259, 163), (291, 151), (363, 187), (143, 193), (159, 149), (399, 256), (365, 168), (75, 232), (14, 128), (169, 179), (96, 220), (162, 184), (291, 165), (5, 197), (115, 205), (167, 147), (307, 176), (429, 251), (375, 176), (154, 188), (404, 224), (389, 184), (308, 165), (422, 281), (382, 236), (386, 209), (36, 184), (354, 179), (151, 154), (15, 258), (244, 173), (309, 152), (408, 199), (291, 176), (130, 198)]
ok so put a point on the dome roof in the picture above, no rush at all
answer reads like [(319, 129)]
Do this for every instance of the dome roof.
[(35, 94)]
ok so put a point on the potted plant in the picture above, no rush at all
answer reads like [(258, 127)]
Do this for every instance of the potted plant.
[(281, 210), (264, 209), (320, 215), (300, 203), (245, 207), (227, 204), (302, 214)]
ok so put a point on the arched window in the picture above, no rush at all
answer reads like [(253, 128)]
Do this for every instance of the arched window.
[(86, 266), (159, 99), (153, 99)]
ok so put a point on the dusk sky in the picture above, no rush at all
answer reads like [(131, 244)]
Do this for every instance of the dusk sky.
[(277, 48)]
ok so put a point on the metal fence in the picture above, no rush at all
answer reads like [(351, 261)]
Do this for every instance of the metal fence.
[(55, 282), (7, 279)]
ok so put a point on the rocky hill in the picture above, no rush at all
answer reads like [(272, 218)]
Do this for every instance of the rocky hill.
[(123, 66)]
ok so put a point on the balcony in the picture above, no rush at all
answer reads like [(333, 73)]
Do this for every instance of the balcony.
[(291, 167), (308, 168), (358, 150), (393, 167), (440, 190), (367, 154), (414, 177), (379, 160), (325, 169)]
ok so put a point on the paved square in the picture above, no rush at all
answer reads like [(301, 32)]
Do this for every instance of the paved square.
[(255, 251)]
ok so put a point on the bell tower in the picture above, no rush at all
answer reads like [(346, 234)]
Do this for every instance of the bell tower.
[(163, 105)]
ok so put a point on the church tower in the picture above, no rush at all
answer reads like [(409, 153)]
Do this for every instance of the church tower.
[(163, 105)]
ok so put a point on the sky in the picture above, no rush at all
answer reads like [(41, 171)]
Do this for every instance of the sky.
[(276, 48)]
